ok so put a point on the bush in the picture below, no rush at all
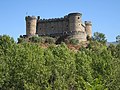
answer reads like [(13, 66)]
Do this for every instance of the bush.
[(21, 40), (74, 41), (36, 39), (49, 40)]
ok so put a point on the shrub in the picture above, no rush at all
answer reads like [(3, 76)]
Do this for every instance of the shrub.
[(36, 39), (74, 41), (21, 40), (49, 40)]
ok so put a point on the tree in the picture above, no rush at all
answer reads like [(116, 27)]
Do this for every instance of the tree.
[(118, 39), (112, 49), (100, 37), (28, 66)]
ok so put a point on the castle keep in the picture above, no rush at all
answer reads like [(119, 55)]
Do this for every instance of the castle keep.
[(70, 25)]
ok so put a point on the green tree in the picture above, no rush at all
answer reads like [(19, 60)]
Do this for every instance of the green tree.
[(112, 49), (28, 66), (100, 37), (118, 51), (118, 39)]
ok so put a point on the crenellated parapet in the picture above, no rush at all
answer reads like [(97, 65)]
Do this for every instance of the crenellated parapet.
[(88, 23), (75, 14), (52, 19), (28, 18)]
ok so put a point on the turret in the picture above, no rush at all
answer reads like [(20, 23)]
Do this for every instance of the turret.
[(30, 25), (88, 28), (74, 21)]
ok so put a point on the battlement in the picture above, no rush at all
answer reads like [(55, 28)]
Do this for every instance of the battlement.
[(30, 17), (75, 14), (59, 19), (51, 20), (88, 23)]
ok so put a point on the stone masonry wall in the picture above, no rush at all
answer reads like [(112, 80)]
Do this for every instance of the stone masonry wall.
[(70, 25), (30, 25), (52, 26)]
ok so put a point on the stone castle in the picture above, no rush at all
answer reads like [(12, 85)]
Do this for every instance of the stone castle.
[(70, 25)]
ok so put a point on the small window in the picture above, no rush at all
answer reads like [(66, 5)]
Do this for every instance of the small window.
[(78, 17), (40, 28), (52, 27)]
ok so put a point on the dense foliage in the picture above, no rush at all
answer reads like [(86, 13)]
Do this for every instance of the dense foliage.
[(100, 37), (74, 41), (28, 66), (37, 39), (118, 39)]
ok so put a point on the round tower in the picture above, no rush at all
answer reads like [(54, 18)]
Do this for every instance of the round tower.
[(75, 26), (74, 21), (31, 22), (88, 28)]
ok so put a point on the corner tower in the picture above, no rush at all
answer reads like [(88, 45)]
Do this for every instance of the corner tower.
[(31, 22), (88, 28), (74, 21)]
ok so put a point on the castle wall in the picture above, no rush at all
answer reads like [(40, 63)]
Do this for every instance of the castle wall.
[(52, 26), (70, 25)]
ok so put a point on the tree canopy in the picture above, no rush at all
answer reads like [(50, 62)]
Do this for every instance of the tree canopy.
[(28, 66), (100, 37)]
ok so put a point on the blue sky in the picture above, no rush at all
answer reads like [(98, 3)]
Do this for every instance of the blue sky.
[(104, 14)]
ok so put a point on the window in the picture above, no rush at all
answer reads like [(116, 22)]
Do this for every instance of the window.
[(78, 17)]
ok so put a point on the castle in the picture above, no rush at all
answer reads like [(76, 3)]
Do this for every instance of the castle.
[(70, 25)]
